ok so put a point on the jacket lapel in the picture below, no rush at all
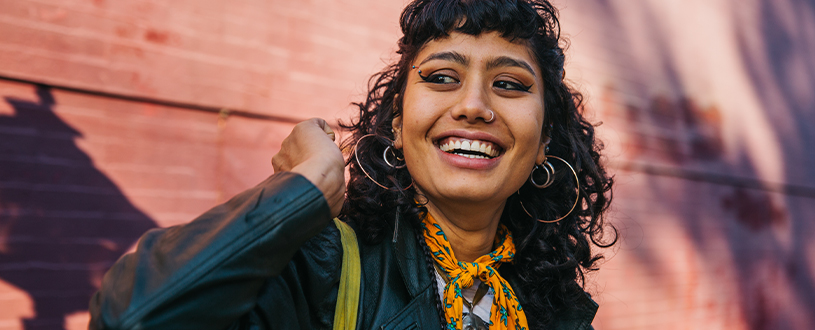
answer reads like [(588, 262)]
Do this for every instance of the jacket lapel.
[(410, 259), (421, 312)]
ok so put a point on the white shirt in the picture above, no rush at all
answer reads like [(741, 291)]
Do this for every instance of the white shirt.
[(482, 309)]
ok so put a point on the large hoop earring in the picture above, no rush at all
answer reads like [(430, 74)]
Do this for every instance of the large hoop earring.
[(395, 157), (362, 168), (577, 192)]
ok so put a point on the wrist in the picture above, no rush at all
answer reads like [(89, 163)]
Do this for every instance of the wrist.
[(328, 179)]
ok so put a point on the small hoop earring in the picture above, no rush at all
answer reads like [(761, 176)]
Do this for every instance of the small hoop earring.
[(492, 117), (362, 168), (577, 193), (395, 157), (550, 175)]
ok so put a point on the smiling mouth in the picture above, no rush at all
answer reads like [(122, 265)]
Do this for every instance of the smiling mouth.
[(476, 149)]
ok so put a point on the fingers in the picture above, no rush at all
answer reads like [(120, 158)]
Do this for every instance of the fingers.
[(324, 125), (306, 151), (302, 138), (278, 164), (327, 129)]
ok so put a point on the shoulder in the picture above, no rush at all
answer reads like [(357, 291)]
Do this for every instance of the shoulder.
[(304, 295), (322, 253), (576, 317), (579, 317)]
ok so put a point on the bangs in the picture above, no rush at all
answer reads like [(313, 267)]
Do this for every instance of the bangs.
[(428, 20)]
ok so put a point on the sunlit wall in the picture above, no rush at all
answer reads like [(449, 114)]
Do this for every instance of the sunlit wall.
[(707, 109), (120, 116)]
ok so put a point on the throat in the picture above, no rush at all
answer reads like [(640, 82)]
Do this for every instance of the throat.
[(471, 253), (469, 229), (469, 245)]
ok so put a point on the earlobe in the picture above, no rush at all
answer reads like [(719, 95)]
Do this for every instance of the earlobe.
[(542, 149), (545, 140), (541, 154), (396, 128)]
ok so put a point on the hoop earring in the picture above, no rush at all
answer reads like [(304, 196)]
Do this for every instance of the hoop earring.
[(577, 193), (395, 157), (362, 168), (550, 175)]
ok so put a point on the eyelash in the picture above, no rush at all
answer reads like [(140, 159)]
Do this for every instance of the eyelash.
[(515, 85), (433, 79), (433, 76)]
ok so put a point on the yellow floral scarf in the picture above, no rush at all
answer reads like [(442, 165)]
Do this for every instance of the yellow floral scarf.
[(506, 311)]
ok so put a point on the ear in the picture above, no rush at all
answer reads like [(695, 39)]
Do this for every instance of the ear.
[(542, 150), (396, 125)]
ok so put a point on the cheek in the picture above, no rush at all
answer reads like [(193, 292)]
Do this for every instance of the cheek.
[(417, 122), (413, 133), (526, 128)]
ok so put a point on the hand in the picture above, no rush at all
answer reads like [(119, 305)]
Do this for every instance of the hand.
[(309, 150)]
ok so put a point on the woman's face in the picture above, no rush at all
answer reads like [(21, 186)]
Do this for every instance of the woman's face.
[(447, 107)]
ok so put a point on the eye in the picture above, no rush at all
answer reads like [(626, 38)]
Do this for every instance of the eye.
[(438, 78), (511, 86)]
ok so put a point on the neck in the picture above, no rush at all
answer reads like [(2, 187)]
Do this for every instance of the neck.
[(470, 229)]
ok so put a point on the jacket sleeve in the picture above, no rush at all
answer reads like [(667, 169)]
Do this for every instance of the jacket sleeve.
[(207, 274)]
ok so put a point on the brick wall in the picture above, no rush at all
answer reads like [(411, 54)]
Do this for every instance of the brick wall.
[(706, 107), (270, 57), (131, 136)]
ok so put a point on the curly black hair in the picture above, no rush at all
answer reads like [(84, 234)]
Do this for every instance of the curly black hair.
[(551, 258)]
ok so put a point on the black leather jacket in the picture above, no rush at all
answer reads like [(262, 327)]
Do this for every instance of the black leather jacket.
[(267, 259)]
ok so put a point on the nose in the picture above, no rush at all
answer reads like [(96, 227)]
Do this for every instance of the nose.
[(474, 105)]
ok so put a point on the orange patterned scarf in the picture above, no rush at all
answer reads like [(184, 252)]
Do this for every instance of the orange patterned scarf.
[(506, 311)]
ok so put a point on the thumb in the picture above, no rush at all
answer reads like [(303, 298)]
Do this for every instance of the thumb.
[(327, 129)]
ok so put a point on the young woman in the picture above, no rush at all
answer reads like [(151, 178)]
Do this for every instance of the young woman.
[(476, 192)]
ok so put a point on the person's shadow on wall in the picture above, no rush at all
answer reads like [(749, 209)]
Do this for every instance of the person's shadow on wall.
[(62, 221)]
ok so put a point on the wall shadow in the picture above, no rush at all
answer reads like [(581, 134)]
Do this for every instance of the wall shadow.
[(762, 237), (62, 221), (783, 74)]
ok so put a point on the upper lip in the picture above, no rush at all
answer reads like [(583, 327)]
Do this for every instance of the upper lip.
[(482, 136)]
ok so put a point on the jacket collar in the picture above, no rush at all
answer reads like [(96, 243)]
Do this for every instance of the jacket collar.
[(410, 259), (414, 270)]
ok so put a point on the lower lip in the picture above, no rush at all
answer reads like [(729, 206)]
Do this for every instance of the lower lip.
[(469, 163)]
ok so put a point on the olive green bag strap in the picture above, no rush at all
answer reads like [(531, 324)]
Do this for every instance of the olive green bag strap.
[(345, 314)]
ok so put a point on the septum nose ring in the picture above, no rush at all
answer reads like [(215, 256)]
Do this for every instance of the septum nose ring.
[(492, 117)]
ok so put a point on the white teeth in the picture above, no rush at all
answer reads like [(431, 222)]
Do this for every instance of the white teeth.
[(471, 156), (476, 146)]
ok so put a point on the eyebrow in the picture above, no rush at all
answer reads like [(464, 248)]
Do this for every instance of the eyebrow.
[(500, 61), (447, 56), (503, 61)]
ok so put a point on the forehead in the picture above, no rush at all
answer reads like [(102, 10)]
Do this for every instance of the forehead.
[(477, 48)]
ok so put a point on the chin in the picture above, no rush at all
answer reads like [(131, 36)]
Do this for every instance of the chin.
[(473, 194)]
